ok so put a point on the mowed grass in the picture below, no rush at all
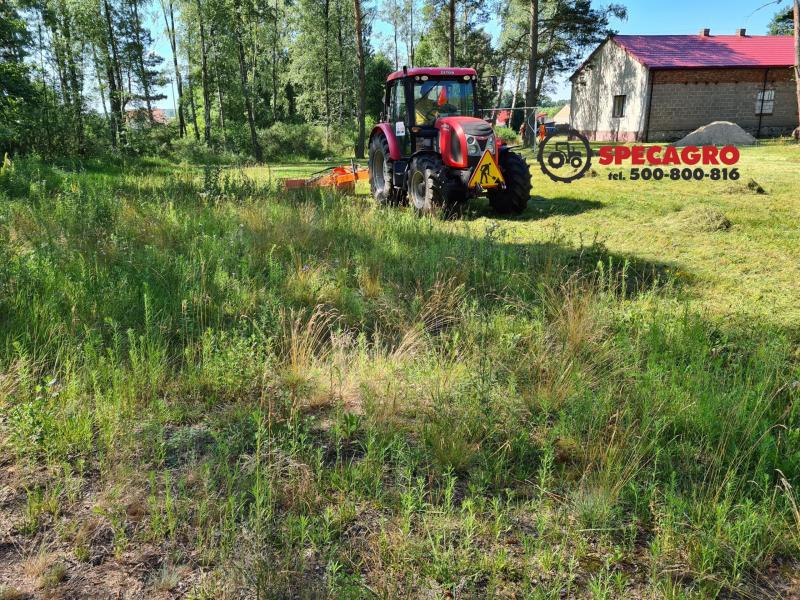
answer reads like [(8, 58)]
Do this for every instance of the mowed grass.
[(213, 389), (748, 268)]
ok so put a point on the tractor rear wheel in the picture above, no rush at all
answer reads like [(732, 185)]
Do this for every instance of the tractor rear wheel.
[(431, 186), (380, 171), (512, 200)]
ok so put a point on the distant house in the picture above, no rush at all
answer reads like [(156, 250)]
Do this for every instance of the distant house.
[(661, 87), (562, 116), (503, 118), (138, 117)]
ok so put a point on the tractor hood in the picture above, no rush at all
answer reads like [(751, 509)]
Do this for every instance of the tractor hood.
[(469, 125), (453, 134)]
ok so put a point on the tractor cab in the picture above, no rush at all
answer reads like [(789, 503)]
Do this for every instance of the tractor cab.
[(430, 141)]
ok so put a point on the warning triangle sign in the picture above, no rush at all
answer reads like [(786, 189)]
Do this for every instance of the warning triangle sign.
[(486, 174)]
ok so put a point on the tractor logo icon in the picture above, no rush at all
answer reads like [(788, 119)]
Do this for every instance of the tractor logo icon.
[(563, 160)]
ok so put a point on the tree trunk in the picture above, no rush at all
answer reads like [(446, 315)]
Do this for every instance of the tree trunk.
[(114, 81), (342, 65), (192, 105), (274, 116), (45, 107), (362, 83), (395, 26), (248, 101), (204, 77), (533, 62), (500, 86), (220, 98), (75, 82), (101, 88), (451, 49), (169, 20), (326, 75), (533, 54), (143, 76), (517, 80), (411, 34)]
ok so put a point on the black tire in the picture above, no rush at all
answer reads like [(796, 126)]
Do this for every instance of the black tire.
[(556, 160), (381, 172), (432, 187), (512, 200)]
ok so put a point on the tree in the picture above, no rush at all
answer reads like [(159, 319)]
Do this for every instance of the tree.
[(451, 33), (243, 74), (136, 47), (782, 22), (362, 83), (169, 22), (555, 35), (16, 88), (204, 80)]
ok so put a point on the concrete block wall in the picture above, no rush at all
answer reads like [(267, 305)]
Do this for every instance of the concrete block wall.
[(684, 100)]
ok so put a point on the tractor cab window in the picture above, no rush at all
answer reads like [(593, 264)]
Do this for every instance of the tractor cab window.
[(397, 103), (442, 98)]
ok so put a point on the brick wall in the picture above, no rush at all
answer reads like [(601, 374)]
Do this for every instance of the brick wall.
[(684, 100)]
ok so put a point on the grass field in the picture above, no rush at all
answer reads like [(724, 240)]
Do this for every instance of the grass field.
[(211, 389)]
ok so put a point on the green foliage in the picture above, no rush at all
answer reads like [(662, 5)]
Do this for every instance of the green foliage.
[(284, 140), (782, 22), (507, 134), (305, 400)]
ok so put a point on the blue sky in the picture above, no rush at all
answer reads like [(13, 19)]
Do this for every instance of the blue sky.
[(644, 17)]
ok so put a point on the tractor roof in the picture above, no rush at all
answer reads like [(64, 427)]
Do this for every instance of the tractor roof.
[(432, 72)]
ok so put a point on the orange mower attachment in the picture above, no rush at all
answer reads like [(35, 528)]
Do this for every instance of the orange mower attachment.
[(342, 178)]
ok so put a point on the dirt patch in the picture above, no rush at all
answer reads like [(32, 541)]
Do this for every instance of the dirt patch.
[(718, 133), (72, 552)]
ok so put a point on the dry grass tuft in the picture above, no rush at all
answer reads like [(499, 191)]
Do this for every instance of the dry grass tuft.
[(12, 593), (442, 306), (46, 569), (306, 340)]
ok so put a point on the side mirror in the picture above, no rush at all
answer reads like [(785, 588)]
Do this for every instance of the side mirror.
[(493, 79)]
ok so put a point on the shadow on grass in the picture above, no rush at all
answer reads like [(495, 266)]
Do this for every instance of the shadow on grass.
[(538, 208), (489, 263)]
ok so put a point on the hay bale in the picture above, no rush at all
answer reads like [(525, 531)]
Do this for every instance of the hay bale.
[(751, 187), (701, 219), (718, 133)]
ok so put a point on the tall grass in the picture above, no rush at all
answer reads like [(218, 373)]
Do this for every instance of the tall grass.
[(319, 396)]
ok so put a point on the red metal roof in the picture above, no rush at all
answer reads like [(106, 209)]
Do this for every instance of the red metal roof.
[(713, 51), (433, 72)]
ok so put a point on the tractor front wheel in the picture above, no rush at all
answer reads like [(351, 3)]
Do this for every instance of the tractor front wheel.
[(512, 200), (380, 171), (430, 186)]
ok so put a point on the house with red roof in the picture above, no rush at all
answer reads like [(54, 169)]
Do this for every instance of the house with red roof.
[(662, 87)]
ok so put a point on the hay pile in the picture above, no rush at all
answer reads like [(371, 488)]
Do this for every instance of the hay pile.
[(718, 133), (701, 218)]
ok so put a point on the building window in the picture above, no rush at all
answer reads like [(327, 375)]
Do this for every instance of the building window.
[(619, 106), (765, 102)]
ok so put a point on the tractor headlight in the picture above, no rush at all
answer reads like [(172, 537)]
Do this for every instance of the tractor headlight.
[(473, 148), (491, 145)]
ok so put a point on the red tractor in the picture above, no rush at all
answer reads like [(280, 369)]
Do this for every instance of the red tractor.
[(431, 149)]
